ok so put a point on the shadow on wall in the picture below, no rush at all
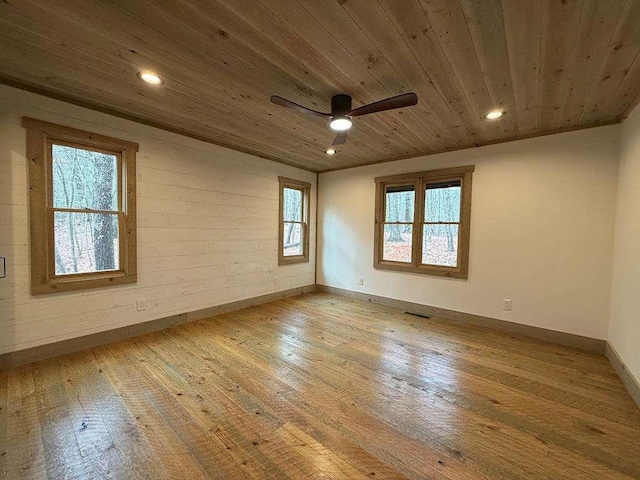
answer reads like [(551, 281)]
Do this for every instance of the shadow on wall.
[(342, 236)]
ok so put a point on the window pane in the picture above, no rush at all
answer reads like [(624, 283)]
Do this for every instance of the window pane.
[(292, 239), (85, 242), (442, 202), (84, 179), (397, 243), (440, 245), (292, 205), (400, 202)]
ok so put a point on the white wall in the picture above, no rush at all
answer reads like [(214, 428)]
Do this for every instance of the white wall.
[(541, 232), (624, 326), (194, 201)]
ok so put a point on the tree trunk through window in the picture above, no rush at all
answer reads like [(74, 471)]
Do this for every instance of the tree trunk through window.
[(394, 207), (105, 228)]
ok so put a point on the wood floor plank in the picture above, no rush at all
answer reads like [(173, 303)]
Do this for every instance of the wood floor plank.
[(25, 451), (58, 425), (175, 459), (319, 386), (442, 349), (247, 380), (143, 393), (97, 446), (546, 419), (497, 436), (314, 399), (239, 421), (4, 414)]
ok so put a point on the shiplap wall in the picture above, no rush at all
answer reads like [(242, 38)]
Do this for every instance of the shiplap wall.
[(207, 229)]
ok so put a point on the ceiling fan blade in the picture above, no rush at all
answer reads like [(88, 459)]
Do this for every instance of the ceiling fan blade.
[(340, 138), (283, 102), (399, 101)]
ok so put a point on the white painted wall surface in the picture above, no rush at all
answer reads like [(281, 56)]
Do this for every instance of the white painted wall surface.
[(541, 232), (624, 326), (193, 200)]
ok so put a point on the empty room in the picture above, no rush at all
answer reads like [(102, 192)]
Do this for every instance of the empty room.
[(320, 239)]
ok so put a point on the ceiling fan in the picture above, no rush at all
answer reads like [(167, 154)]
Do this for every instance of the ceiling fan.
[(341, 111)]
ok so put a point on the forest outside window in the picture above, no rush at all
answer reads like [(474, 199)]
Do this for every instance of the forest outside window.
[(82, 208), (423, 222), (293, 238)]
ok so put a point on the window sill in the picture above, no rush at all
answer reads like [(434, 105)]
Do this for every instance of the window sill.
[(291, 260), (82, 283), (423, 270)]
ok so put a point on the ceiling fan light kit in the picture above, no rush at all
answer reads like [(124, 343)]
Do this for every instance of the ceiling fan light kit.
[(342, 111), (340, 124)]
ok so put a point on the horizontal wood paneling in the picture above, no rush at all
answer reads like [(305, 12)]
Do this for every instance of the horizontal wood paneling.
[(207, 229), (552, 65)]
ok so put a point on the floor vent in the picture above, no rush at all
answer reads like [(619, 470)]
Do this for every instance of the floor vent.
[(418, 314)]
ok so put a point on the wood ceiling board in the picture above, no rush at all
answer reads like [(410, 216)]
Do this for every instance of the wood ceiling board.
[(410, 19), (144, 94), (523, 21), (161, 22), (386, 81), (432, 111), (329, 58), (560, 22), (598, 22), (554, 65), (450, 27), (486, 25), (621, 52)]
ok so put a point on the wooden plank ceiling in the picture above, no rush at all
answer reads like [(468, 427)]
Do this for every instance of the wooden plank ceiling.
[(552, 65)]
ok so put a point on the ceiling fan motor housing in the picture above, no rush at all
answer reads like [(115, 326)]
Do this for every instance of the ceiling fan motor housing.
[(340, 104)]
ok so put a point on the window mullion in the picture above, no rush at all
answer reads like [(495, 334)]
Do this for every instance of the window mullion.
[(418, 217)]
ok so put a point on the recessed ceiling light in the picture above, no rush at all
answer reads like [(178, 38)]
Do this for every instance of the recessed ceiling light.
[(340, 124), (150, 77), (330, 151), (494, 114)]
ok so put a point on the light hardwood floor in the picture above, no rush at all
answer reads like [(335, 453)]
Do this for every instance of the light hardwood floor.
[(319, 386)]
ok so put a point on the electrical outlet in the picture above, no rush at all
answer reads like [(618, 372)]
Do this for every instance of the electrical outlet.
[(142, 304), (360, 281), (506, 304)]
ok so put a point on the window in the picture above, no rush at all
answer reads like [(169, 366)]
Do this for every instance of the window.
[(294, 222), (422, 222), (82, 199)]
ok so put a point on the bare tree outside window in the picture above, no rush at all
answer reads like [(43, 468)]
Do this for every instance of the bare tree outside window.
[(85, 182), (398, 228), (82, 201), (442, 203), (292, 205)]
